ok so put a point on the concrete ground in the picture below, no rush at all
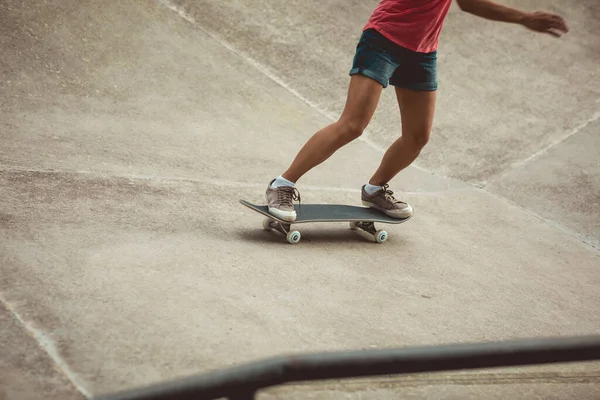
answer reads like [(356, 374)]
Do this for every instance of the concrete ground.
[(129, 130)]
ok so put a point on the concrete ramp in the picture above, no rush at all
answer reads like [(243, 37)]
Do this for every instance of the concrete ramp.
[(129, 131)]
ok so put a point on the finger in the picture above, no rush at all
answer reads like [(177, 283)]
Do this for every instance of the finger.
[(560, 26)]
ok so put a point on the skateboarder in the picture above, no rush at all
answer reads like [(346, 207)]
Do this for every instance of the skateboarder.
[(398, 46)]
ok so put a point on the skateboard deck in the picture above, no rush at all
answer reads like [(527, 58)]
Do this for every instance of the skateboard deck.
[(361, 219)]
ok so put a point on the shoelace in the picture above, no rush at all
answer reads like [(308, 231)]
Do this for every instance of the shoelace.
[(287, 194), (389, 195)]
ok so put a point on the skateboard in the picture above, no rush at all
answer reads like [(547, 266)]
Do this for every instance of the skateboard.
[(361, 219)]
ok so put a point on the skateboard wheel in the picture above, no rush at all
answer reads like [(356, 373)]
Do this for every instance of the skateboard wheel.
[(267, 224), (293, 237), (381, 236), (353, 225)]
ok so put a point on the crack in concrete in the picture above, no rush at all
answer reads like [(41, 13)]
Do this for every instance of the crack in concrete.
[(48, 346), (519, 164), (207, 181), (551, 223), (248, 185), (261, 68)]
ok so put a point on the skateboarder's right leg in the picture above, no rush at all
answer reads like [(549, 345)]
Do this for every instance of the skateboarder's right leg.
[(362, 100), (363, 96)]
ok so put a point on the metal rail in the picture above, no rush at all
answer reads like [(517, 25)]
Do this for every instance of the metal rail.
[(242, 382)]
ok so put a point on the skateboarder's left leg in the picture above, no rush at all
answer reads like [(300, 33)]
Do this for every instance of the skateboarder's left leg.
[(416, 110), (415, 82)]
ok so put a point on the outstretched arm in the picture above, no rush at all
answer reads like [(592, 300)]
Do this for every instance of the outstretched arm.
[(538, 21)]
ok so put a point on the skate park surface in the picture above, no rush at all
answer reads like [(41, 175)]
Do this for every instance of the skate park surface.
[(130, 130)]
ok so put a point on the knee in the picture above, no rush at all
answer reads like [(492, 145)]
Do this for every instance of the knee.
[(418, 140), (350, 129)]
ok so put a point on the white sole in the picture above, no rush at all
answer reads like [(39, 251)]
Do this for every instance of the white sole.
[(288, 216), (373, 205)]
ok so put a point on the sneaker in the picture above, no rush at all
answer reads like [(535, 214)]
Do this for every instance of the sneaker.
[(280, 201), (384, 200)]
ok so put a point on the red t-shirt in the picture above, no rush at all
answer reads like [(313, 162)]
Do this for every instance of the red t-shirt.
[(413, 24)]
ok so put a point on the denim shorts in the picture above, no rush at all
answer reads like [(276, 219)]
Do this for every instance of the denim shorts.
[(380, 59)]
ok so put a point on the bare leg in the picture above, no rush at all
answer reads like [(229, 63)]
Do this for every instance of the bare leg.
[(363, 97), (416, 111)]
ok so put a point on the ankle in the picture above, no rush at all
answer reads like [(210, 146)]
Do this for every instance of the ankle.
[(282, 181), (372, 189), (288, 176), (377, 182)]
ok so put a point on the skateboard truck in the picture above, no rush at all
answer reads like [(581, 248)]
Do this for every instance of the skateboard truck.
[(292, 236), (368, 230)]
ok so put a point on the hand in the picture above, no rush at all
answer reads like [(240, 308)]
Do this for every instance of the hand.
[(544, 22)]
